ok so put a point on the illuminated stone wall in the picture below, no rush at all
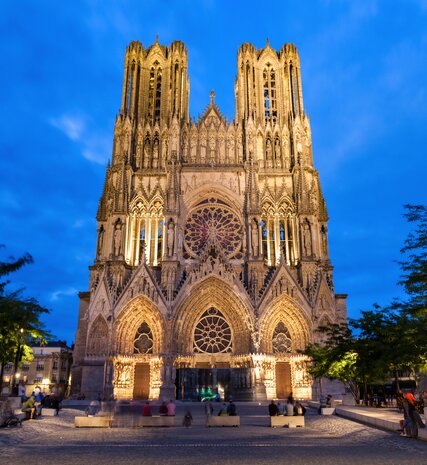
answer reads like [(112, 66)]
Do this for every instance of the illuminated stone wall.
[(212, 248)]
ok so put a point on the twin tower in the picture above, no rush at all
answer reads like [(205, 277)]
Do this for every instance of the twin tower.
[(212, 266)]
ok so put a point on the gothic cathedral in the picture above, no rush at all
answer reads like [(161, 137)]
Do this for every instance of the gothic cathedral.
[(212, 268)]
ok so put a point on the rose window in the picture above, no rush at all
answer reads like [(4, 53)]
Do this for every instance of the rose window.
[(143, 343), (282, 341), (212, 334), (214, 223)]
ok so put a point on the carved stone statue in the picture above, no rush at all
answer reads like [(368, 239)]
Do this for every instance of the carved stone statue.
[(117, 239), (100, 240), (268, 154), (171, 238), (255, 238), (307, 239)]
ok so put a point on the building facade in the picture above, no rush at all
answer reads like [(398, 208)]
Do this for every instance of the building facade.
[(212, 267), (50, 367)]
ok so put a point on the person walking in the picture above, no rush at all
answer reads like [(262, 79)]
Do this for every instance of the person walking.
[(208, 409), (188, 418)]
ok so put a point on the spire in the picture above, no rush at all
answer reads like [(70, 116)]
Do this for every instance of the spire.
[(173, 184)]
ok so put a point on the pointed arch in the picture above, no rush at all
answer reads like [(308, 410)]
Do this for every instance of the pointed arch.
[(138, 311), (97, 344), (285, 310), (216, 293)]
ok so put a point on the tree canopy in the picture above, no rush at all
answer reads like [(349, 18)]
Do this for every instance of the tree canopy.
[(20, 323), (382, 340)]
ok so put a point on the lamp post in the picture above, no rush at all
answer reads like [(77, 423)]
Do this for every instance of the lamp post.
[(18, 357)]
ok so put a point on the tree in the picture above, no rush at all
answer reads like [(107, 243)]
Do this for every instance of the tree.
[(20, 316), (382, 340), (414, 265)]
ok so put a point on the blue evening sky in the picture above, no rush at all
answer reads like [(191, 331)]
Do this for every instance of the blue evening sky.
[(364, 74)]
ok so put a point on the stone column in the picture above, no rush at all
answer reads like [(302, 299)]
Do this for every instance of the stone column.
[(167, 388)]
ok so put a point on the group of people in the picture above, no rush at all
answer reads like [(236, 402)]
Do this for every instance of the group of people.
[(33, 404), (225, 410), (165, 409), (291, 408)]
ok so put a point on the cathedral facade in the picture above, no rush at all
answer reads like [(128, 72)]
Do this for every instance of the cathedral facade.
[(212, 267)]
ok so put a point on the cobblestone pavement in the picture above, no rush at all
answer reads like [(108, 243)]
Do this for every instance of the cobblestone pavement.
[(324, 440)]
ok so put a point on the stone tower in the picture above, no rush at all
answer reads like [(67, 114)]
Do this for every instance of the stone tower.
[(212, 267)]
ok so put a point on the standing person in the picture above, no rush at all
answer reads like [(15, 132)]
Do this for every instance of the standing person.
[(21, 391), (171, 408), (272, 409), (231, 409), (188, 418), (208, 409), (291, 398)]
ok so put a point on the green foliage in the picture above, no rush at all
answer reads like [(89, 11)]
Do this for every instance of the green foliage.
[(414, 265), (19, 316), (382, 340)]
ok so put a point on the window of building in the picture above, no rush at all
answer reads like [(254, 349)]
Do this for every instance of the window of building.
[(143, 342), (270, 93), (282, 342), (212, 334)]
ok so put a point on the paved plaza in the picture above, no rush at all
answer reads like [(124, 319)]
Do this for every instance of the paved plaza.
[(324, 440)]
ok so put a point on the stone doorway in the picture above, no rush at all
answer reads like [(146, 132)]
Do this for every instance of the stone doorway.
[(141, 387), (283, 380)]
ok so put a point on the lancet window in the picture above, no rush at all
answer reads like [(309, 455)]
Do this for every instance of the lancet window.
[(143, 342), (294, 90), (145, 231), (155, 91), (279, 235), (270, 93)]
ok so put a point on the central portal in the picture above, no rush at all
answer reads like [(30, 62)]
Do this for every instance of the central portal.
[(201, 384)]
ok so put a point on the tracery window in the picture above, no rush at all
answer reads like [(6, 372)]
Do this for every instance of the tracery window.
[(212, 334), (213, 223), (146, 232), (279, 233), (282, 342), (270, 92), (143, 342)]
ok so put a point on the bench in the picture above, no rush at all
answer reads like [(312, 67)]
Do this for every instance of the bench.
[(223, 420), (49, 412), (162, 421), (289, 421), (92, 422), (327, 410)]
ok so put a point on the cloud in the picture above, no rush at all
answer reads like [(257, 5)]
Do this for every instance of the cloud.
[(94, 148), (71, 126), (57, 295)]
